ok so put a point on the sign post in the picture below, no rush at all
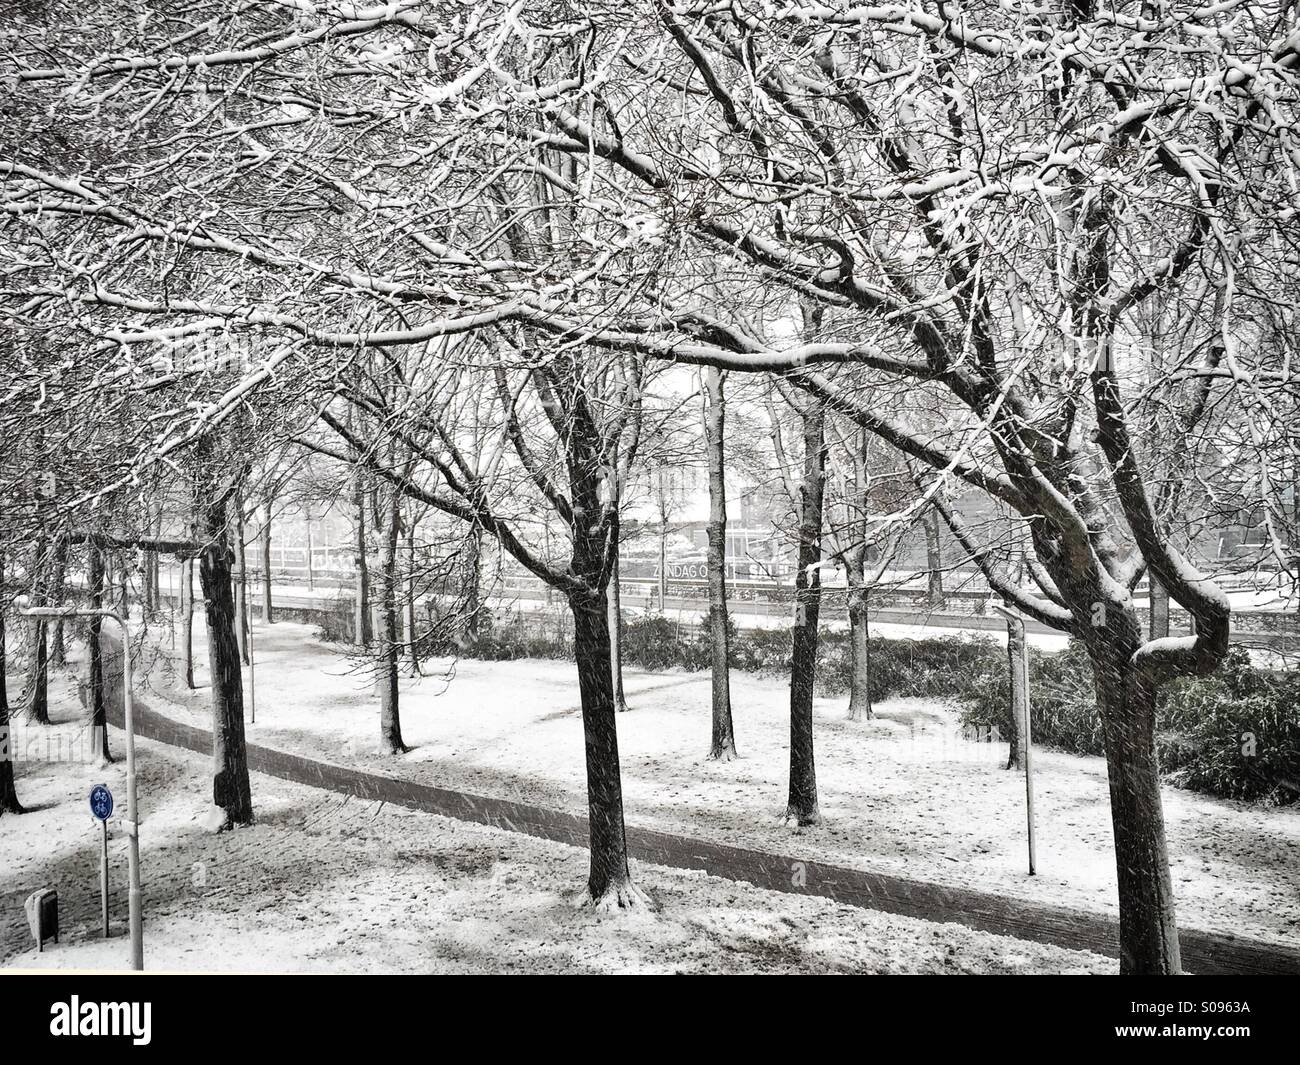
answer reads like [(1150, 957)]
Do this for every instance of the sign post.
[(130, 823), (101, 805)]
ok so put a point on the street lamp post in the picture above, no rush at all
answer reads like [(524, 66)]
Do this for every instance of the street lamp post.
[(132, 819)]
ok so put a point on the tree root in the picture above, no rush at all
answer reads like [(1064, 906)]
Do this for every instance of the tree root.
[(617, 898)]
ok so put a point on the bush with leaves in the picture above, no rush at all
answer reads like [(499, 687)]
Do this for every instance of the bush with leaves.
[(1234, 734)]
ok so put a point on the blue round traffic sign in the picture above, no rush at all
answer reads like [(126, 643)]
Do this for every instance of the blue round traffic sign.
[(101, 802)]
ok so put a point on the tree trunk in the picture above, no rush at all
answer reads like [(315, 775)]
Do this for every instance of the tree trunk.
[(390, 721), (241, 585), (860, 708), (38, 690), (855, 570), (58, 646), (154, 568), (187, 622), (663, 565), (472, 577), (98, 710), (933, 558), (311, 569), (723, 745), (1158, 605), (616, 638), (8, 794), (230, 787), (267, 616), (361, 599), (803, 659), (123, 586), (411, 614), (146, 589), (1018, 693), (148, 596), (609, 882), (1148, 930)]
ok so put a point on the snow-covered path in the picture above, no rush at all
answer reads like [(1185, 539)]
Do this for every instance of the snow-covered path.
[(322, 883), (903, 795), (1069, 929)]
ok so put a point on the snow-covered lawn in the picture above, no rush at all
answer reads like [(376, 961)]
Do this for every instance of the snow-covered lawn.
[(324, 884), (905, 793)]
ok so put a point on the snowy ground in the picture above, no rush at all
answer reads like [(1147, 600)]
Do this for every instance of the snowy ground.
[(323, 884), (905, 794)]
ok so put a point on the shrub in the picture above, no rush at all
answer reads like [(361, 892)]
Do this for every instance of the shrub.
[(1061, 695), (652, 641), (517, 635), (1234, 734), (336, 622)]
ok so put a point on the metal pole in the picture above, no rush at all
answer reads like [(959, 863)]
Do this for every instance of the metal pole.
[(132, 808), (311, 574), (1029, 745), (103, 876), (1016, 620), (171, 599), (252, 674)]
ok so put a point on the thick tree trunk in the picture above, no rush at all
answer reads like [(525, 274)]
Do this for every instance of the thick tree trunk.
[(361, 628), (8, 794), (267, 610), (98, 709), (802, 805), (38, 696), (387, 666), (230, 787), (933, 557), (38, 703), (187, 622), (9, 803), (860, 708), (1127, 703), (241, 585), (609, 882), (723, 744), (616, 638)]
